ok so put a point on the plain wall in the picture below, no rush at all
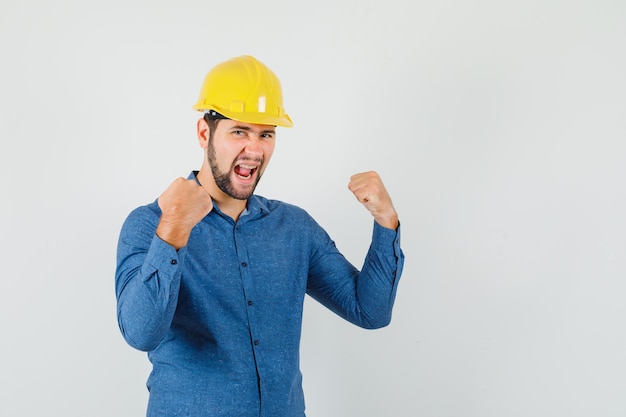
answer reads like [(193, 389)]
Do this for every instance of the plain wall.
[(497, 126)]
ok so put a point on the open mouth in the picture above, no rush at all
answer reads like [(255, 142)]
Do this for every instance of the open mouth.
[(244, 171)]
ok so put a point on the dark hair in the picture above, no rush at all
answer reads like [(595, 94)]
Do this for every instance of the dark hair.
[(212, 118)]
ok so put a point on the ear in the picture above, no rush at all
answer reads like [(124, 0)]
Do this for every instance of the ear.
[(202, 129)]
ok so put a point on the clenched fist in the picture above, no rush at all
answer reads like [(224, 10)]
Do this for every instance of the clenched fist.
[(183, 204), (368, 188)]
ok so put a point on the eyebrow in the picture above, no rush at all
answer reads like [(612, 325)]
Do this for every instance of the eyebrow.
[(248, 129)]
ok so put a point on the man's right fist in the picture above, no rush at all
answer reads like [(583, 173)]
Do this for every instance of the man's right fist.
[(183, 204)]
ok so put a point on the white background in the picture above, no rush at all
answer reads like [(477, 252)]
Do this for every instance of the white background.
[(498, 127)]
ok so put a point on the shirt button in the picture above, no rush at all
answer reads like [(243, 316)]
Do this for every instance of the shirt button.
[(244, 264), (250, 303), (256, 343), (173, 261)]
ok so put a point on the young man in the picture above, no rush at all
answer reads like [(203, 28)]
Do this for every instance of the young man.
[(211, 278)]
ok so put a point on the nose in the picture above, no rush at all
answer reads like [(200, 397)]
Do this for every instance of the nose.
[(254, 146)]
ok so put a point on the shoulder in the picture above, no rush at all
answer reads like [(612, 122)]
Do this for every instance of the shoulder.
[(143, 216), (277, 207), (286, 216)]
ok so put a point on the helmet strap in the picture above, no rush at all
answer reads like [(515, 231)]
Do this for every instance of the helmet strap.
[(213, 115)]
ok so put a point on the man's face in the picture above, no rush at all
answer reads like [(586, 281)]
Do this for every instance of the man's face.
[(238, 154)]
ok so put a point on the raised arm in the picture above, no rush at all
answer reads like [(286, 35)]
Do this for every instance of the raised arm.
[(364, 297), (150, 249)]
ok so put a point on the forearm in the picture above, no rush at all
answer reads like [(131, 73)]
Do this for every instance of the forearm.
[(363, 298), (147, 286), (145, 309), (377, 282)]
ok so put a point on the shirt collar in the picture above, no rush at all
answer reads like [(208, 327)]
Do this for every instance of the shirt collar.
[(254, 204)]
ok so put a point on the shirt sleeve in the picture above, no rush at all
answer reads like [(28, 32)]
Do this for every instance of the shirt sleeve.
[(364, 297), (147, 281)]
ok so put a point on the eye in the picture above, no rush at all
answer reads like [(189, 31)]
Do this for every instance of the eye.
[(267, 135)]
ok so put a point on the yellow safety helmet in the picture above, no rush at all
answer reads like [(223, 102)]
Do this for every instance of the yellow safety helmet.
[(244, 89)]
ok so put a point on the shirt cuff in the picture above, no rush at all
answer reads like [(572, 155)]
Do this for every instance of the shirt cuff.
[(384, 238), (162, 257)]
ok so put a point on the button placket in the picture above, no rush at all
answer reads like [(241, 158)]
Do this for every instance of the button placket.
[(247, 283)]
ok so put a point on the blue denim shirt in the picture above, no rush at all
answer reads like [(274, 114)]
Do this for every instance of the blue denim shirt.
[(221, 317)]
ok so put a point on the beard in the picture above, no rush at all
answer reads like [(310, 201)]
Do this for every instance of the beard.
[(223, 179)]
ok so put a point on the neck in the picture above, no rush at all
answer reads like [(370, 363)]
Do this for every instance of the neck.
[(228, 205)]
